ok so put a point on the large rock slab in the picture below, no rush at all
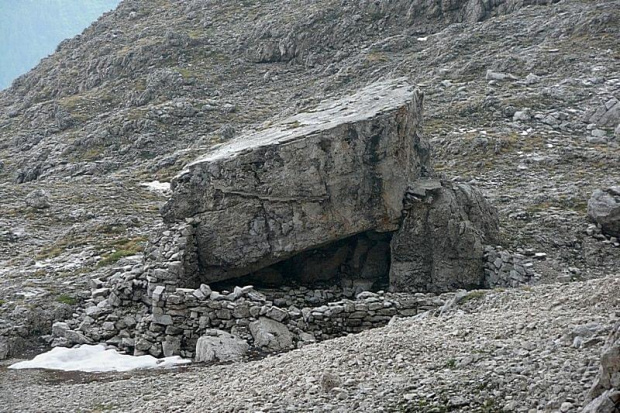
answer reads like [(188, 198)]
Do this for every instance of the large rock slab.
[(314, 178), (440, 245), (604, 209)]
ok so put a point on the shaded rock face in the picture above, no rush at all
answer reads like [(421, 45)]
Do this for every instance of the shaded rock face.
[(604, 209), (314, 179), (441, 241), (605, 394)]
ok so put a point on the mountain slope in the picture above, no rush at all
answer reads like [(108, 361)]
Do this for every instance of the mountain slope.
[(512, 91), (126, 87), (31, 29)]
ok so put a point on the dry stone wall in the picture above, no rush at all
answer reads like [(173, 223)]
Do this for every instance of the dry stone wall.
[(150, 308)]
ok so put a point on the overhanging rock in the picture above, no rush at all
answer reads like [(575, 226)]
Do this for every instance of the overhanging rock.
[(313, 179)]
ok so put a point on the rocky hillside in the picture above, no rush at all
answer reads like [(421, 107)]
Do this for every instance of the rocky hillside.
[(31, 30), (152, 78), (521, 99)]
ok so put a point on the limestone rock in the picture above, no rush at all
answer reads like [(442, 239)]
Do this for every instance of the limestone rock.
[(607, 384), (218, 345), (271, 335), (605, 403), (62, 331), (316, 178), (4, 348), (604, 209), (607, 115), (440, 245), (38, 199)]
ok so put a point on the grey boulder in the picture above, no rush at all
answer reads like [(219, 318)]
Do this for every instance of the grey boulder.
[(440, 245), (315, 178), (218, 345), (68, 337), (271, 335), (605, 393), (38, 199), (604, 209)]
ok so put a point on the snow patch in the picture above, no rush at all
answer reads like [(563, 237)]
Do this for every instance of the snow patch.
[(156, 186), (96, 359)]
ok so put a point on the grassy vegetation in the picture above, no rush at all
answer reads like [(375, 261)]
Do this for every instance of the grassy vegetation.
[(123, 248), (473, 295), (294, 125), (375, 57), (100, 408), (186, 73), (66, 299), (59, 247), (564, 203)]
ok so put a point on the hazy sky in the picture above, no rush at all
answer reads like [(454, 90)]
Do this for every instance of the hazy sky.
[(31, 30)]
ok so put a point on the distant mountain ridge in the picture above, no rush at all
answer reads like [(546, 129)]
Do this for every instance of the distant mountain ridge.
[(31, 30)]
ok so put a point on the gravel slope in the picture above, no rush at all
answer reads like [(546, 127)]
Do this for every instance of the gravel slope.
[(512, 350)]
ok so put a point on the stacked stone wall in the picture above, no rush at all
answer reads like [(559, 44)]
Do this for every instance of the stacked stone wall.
[(157, 308)]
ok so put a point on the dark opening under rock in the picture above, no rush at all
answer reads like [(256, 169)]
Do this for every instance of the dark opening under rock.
[(358, 263)]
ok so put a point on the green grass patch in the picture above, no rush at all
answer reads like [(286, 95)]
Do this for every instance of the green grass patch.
[(473, 295), (123, 248), (66, 299), (59, 247)]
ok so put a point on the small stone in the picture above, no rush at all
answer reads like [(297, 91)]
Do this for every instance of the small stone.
[(163, 319), (330, 381), (38, 199)]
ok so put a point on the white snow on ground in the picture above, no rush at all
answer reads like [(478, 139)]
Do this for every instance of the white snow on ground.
[(94, 359), (156, 186)]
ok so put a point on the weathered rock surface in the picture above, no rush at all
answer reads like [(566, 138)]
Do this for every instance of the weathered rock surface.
[(218, 345), (271, 335), (440, 245), (316, 178), (604, 209), (605, 394), (38, 199)]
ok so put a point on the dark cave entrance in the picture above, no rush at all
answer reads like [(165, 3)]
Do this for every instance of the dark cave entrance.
[(348, 267)]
